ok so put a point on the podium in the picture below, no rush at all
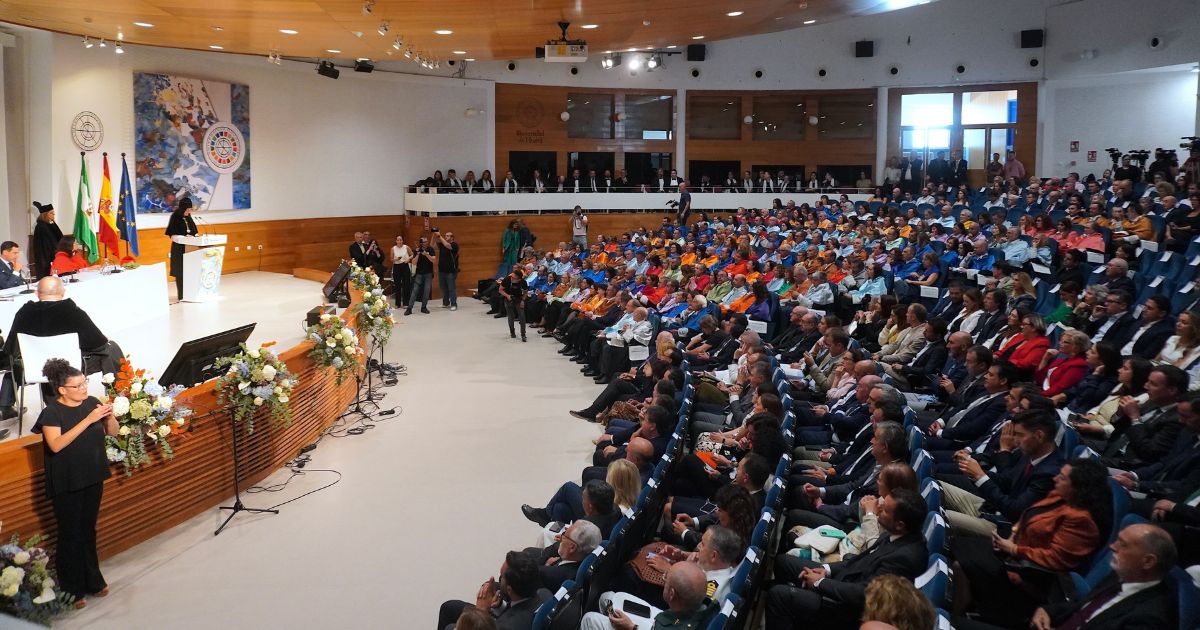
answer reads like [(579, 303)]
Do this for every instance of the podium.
[(202, 259)]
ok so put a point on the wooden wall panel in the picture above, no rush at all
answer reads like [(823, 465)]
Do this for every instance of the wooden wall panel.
[(200, 476), (527, 119), (811, 151), (317, 243)]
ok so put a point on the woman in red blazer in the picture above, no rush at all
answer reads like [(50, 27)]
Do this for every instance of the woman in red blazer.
[(1061, 369), (69, 258), (1008, 578), (1026, 350)]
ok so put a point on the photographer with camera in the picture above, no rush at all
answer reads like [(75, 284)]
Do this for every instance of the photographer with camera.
[(1191, 167), (1166, 163), (685, 203), (579, 222), (423, 276), (447, 268), (1127, 170)]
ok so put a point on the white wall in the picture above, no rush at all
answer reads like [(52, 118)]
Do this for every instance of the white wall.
[(1140, 110), (318, 147), (1119, 32)]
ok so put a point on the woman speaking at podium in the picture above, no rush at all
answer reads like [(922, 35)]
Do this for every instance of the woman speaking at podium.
[(181, 224)]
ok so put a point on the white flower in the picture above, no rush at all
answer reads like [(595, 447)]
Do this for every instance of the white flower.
[(164, 403), (331, 343), (164, 430), (108, 378), (46, 596), (180, 421), (120, 406), (253, 354), (135, 388), (152, 435), (278, 390), (269, 372), (11, 589), (21, 557), (243, 386), (283, 399), (124, 430), (258, 401), (325, 317), (349, 343)]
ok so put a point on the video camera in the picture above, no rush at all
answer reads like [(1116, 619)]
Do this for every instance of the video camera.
[(1192, 144)]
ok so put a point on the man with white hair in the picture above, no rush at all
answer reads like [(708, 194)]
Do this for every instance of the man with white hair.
[(635, 331), (561, 562)]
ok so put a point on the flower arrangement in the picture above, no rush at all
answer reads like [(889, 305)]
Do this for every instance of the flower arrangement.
[(145, 411), (363, 278), (26, 586), (372, 316), (334, 345), (255, 379)]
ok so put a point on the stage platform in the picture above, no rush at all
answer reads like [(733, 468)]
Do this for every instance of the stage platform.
[(276, 302)]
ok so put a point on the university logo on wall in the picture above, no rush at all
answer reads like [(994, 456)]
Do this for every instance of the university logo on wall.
[(191, 138)]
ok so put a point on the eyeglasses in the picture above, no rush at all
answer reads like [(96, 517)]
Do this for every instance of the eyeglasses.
[(82, 385)]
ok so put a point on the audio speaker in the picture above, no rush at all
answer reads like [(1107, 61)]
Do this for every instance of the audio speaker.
[(695, 52), (314, 316), (1033, 38), (864, 48)]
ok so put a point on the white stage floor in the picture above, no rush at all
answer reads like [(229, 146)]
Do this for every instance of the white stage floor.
[(277, 302), (428, 502)]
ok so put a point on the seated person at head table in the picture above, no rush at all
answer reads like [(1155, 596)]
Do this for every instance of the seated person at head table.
[(10, 265), (69, 258)]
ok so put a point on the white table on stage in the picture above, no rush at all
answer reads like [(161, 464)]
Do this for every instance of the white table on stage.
[(116, 302)]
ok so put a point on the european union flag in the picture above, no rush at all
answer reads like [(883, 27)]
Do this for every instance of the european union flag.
[(127, 211)]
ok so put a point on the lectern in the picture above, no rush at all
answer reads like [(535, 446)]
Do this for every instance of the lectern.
[(202, 259)]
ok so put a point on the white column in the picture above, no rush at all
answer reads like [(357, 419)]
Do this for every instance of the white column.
[(881, 132), (680, 159)]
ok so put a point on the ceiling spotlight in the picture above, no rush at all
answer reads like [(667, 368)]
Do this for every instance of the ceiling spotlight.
[(216, 47), (697, 37), (473, 59), (273, 57), (806, 22), (368, 6), (734, 13), (383, 28), (408, 53), (333, 51), (610, 61), (87, 43), (119, 50), (327, 69), (143, 24), (653, 62), (589, 26), (444, 32), (102, 44), (399, 43), (635, 62), (288, 31), (459, 52)]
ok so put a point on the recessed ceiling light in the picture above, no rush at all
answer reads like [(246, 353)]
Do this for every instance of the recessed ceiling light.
[(333, 51), (469, 59), (634, 49), (216, 47), (217, 28), (697, 37), (734, 13), (143, 24), (590, 26), (608, 52), (810, 21), (671, 47), (444, 32), (459, 52), (288, 31)]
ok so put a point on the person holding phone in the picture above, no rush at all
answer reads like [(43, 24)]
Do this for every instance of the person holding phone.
[(423, 277), (73, 426), (511, 600), (447, 268), (512, 291)]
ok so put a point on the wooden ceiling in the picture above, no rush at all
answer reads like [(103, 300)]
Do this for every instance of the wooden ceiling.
[(495, 30)]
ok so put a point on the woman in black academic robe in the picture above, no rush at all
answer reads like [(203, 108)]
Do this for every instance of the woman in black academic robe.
[(46, 235), (181, 224)]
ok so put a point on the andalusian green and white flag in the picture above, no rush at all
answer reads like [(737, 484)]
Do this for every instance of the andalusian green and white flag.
[(84, 234)]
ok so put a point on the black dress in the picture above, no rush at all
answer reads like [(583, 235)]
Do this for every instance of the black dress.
[(179, 225), (75, 483), (46, 235)]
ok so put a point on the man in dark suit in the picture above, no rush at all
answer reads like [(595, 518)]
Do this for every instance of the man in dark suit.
[(1116, 277), (950, 307), (1025, 469), (512, 600), (926, 363), (1170, 476), (809, 335), (1112, 322), (956, 174), (560, 562), (1071, 271), (576, 183), (911, 175), (833, 595), (10, 265), (1135, 596), (993, 318), (985, 379), (1151, 330), (1144, 433), (939, 168), (796, 331)]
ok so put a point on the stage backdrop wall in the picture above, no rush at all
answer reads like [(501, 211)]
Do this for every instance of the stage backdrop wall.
[(320, 148)]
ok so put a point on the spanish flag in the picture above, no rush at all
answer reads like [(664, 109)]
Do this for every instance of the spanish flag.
[(108, 223)]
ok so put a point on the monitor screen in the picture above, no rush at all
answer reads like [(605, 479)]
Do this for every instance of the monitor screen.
[(335, 281), (196, 360)]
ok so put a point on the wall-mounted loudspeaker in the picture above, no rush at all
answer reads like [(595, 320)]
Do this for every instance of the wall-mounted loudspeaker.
[(959, 69), (1155, 42), (864, 48), (695, 73), (512, 66), (894, 70), (695, 52), (1033, 38), (758, 74), (822, 73), (1033, 62), (574, 70)]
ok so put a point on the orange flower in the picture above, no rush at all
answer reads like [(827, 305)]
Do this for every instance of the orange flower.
[(269, 344)]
